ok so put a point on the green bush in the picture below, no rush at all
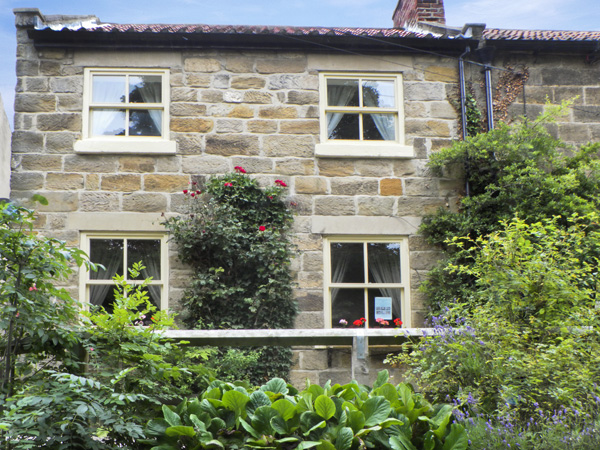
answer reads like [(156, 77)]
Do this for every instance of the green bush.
[(235, 238), (277, 416)]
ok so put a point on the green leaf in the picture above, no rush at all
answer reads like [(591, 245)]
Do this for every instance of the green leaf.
[(236, 402), (401, 442), (356, 420), (343, 440), (382, 378), (325, 445), (276, 386), (376, 410), (324, 407), (429, 441), (171, 417), (40, 199), (307, 444), (285, 408), (250, 429), (257, 399), (261, 421), (457, 439), (180, 431)]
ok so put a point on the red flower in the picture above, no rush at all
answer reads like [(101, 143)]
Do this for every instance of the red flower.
[(262, 228), (192, 194), (397, 322), (198, 192), (357, 323), (194, 183), (239, 169), (280, 183), (33, 288), (228, 184), (270, 197), (185, 191)]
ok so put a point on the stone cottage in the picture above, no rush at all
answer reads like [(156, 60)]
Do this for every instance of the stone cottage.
[(112, 121)]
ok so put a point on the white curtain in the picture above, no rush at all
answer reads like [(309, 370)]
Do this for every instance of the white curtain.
[(152, 264), (385, 268), (111, 260), (340, 264), (338, 95), (151, 93), (107, 89), (383, 122)]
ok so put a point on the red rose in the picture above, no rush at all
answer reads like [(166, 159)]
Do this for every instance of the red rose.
[(185, 191), (192, 194), (262, 228), (228, 184), (239, 169), (280, 183), (198, 192)]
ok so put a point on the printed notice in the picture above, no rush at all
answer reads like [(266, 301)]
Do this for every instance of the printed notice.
[(383, 308)]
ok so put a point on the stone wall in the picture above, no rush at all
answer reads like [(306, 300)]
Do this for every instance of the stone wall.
[(4, 153), (259, 110)]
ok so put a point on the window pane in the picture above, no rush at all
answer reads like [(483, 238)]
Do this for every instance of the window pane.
[(342, 126), (145, 89), (384, 262), (103, 295), (379, 127), (347, 305), (108, 122), (148, 252), (342, 92), (109, 253), (108, 89), (347, 263), (145, 122), (377, 93), (396, 296)]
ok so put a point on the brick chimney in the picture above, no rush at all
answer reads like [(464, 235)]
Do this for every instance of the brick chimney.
[(409, 12)]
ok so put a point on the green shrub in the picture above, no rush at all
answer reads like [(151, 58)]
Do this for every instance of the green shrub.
[(277, 416), (235, 238)]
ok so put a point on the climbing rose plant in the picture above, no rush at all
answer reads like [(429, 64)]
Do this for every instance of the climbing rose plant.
[(234, 235)]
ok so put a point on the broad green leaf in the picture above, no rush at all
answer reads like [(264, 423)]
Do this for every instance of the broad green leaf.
[(180, 430), (236, 402), (382, 378), (198, 424), (315, 390), (207, 407), (164, 447), (213, 393), (257, 399), (250, 429), (325, 445), (307, 444), (406, 397), (285, 408), (440, 421), (429, 441), (457, 439), (276, 386), (389, 392), (324, 407), (366, 431), (213, 443), (401, 442), (376, 410), (261, 421), (171, 416), (356, 420), (343, 440), (156, 427)]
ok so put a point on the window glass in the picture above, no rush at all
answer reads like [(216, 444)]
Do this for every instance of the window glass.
[(144, 122), (379, 93), (145, 89), (342, 92), (108, 122), (108, 89), (345, 126), (380, 297), (148, 252), (109, 253)]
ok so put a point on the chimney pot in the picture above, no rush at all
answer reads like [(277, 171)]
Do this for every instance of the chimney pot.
[(409, 12)]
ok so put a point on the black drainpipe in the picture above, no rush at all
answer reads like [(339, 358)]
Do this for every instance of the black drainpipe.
[(463, 113), (488, 97)]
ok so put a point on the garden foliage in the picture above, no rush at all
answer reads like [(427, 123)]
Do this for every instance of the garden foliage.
[(277, 416), (235, 238)]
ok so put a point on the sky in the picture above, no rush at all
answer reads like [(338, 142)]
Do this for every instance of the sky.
[(528, 14)]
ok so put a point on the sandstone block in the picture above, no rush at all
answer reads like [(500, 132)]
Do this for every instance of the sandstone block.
[(429, 128), (188, 109), (60, 142), (257, 97), (144, 202), (375, 206), (299, 127), (313, 359), (64, 181), (99, 202), (212, 96), (165, 183), (418, 91), (309, 300), (168, 164), (203, 65), (415, 109), (443, 110), (299, 146), (42, 163), (59, 122), (418, 206), (69, 102), (373, 168), (241, 112), (303, 97), (354, 186), (278, 112), (228, 145), (27, 68), (306, 319), (197, 80), (121, 183), (334, 206), (246, 82), (233, 97), (92, 182), (307, 242), (424, 260), (67, 84), (310, 185), (239, 64), (221, 81), (229, 126), (184, 94), (335, 167), (191, 125), (288, 81), (205, 164), (262, 126), (27, 142), (35, 84), (573, 132), (312, 262), (254, 165), (294, 166), (90, 163), (26, 181), (35, 102), (390, 186), (137, 164), (441, 73), (50, 68), (425, 187), (591, 95), (281, 65), (189, 143)]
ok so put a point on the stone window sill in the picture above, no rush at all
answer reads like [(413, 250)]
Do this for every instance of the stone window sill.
[(364, 150), (142, 146)]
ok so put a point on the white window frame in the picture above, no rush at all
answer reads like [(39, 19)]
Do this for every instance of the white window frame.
[(84, 278), (125, 144), (362, 148), (404, 285)]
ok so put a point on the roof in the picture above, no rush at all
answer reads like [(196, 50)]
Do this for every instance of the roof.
[(540, 35)]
